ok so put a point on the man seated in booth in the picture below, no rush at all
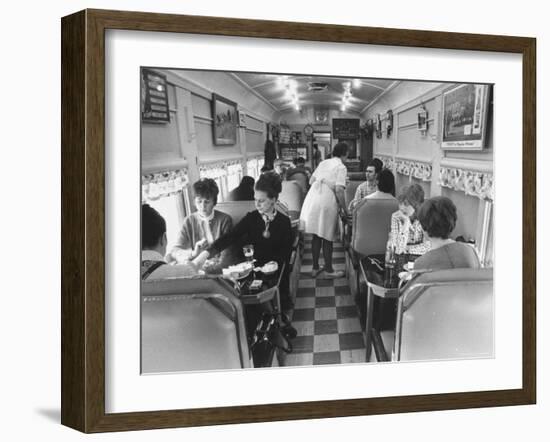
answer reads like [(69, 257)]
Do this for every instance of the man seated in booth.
[(244, 191), (369, 186), (203, 227), (153, 244)]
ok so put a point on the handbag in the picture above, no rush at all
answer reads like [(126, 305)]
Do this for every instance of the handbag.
[(269, 336)]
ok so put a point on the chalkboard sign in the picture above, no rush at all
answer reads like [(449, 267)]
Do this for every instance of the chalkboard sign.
[(345, 128), (154, 97)]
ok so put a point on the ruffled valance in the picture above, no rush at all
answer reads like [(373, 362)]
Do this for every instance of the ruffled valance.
[(415, 169), (158, 185), (388, 162), (218, 169), (478, 184)]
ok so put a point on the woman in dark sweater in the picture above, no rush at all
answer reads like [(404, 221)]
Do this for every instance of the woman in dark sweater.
[(266, 229)]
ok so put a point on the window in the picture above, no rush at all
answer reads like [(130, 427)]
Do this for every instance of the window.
[(234, 175), (217, 172), (486, 241), (254, 167), (172, 209), (167, 193)]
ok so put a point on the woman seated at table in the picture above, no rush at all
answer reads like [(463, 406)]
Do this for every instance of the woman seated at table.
[(438, 219), (406, 234), (203, 227), (266, 229)]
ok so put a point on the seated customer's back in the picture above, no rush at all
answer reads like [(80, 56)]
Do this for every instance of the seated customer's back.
[(456, 255), (438, 219), (244, 191)]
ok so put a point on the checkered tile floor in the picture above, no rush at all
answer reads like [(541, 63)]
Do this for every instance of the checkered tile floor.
[(325, 317)]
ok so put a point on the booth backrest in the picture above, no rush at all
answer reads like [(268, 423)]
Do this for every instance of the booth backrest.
[(301, 179), (191, 324), (236, 209), (292, 195), (371, 225), (446, 314)]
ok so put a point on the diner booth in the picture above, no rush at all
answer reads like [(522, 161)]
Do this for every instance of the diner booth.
[(203, 322)]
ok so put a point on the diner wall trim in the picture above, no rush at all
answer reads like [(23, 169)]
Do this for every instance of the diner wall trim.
[(190, 102)]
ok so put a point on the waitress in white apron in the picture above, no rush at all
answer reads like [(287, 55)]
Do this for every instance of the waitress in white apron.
[(319, 214)]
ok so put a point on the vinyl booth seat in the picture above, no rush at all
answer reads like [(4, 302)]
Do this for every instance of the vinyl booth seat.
[(446, 314), (299, 178), (370, 230), (292, 195), (192, 324), (236, 209)]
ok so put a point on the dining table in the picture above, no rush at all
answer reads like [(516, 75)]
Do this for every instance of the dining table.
[(384, 286)]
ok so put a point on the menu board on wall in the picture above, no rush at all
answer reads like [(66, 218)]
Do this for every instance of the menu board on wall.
[(154, 97), (288, 152), (345, 128)]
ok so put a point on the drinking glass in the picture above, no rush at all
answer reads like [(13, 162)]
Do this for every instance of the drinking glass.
[(248, 251)]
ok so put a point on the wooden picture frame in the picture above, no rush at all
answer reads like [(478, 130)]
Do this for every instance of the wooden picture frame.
[(225, 120), (465, 115), (84, 229)]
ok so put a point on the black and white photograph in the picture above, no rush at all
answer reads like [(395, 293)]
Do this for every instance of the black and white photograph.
[(280, 228)]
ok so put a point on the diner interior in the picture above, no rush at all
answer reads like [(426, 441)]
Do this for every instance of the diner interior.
[(356, 297)]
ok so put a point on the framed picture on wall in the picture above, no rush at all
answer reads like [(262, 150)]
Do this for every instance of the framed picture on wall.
[(104, 387), (465, 116), (225, 120)]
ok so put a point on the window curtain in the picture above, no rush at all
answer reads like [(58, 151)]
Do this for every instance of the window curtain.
[(158, 185)]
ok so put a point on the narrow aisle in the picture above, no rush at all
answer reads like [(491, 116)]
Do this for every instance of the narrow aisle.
[(325, 316)]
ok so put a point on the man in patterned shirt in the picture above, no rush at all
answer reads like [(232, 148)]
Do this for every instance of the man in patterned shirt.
[(369, 186)]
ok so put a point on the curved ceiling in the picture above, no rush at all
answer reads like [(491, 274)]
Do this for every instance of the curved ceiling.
[(311, 91)]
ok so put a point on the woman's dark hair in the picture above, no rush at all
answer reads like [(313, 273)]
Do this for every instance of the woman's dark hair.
[(206, 188), (377, 164), (268, 165), (153, 227), (437, 217), (247, 181), (269, 183), (386, 181), (340, 150), (412, 195)]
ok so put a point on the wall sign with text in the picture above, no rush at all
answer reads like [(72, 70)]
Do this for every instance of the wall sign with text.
[(465, 112), (345, 128), (154, 97)]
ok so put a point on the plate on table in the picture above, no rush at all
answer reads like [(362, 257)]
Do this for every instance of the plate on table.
[(269, 268), (239, 271)]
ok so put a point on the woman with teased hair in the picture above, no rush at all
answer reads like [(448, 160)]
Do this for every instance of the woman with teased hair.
[(266, 228)]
